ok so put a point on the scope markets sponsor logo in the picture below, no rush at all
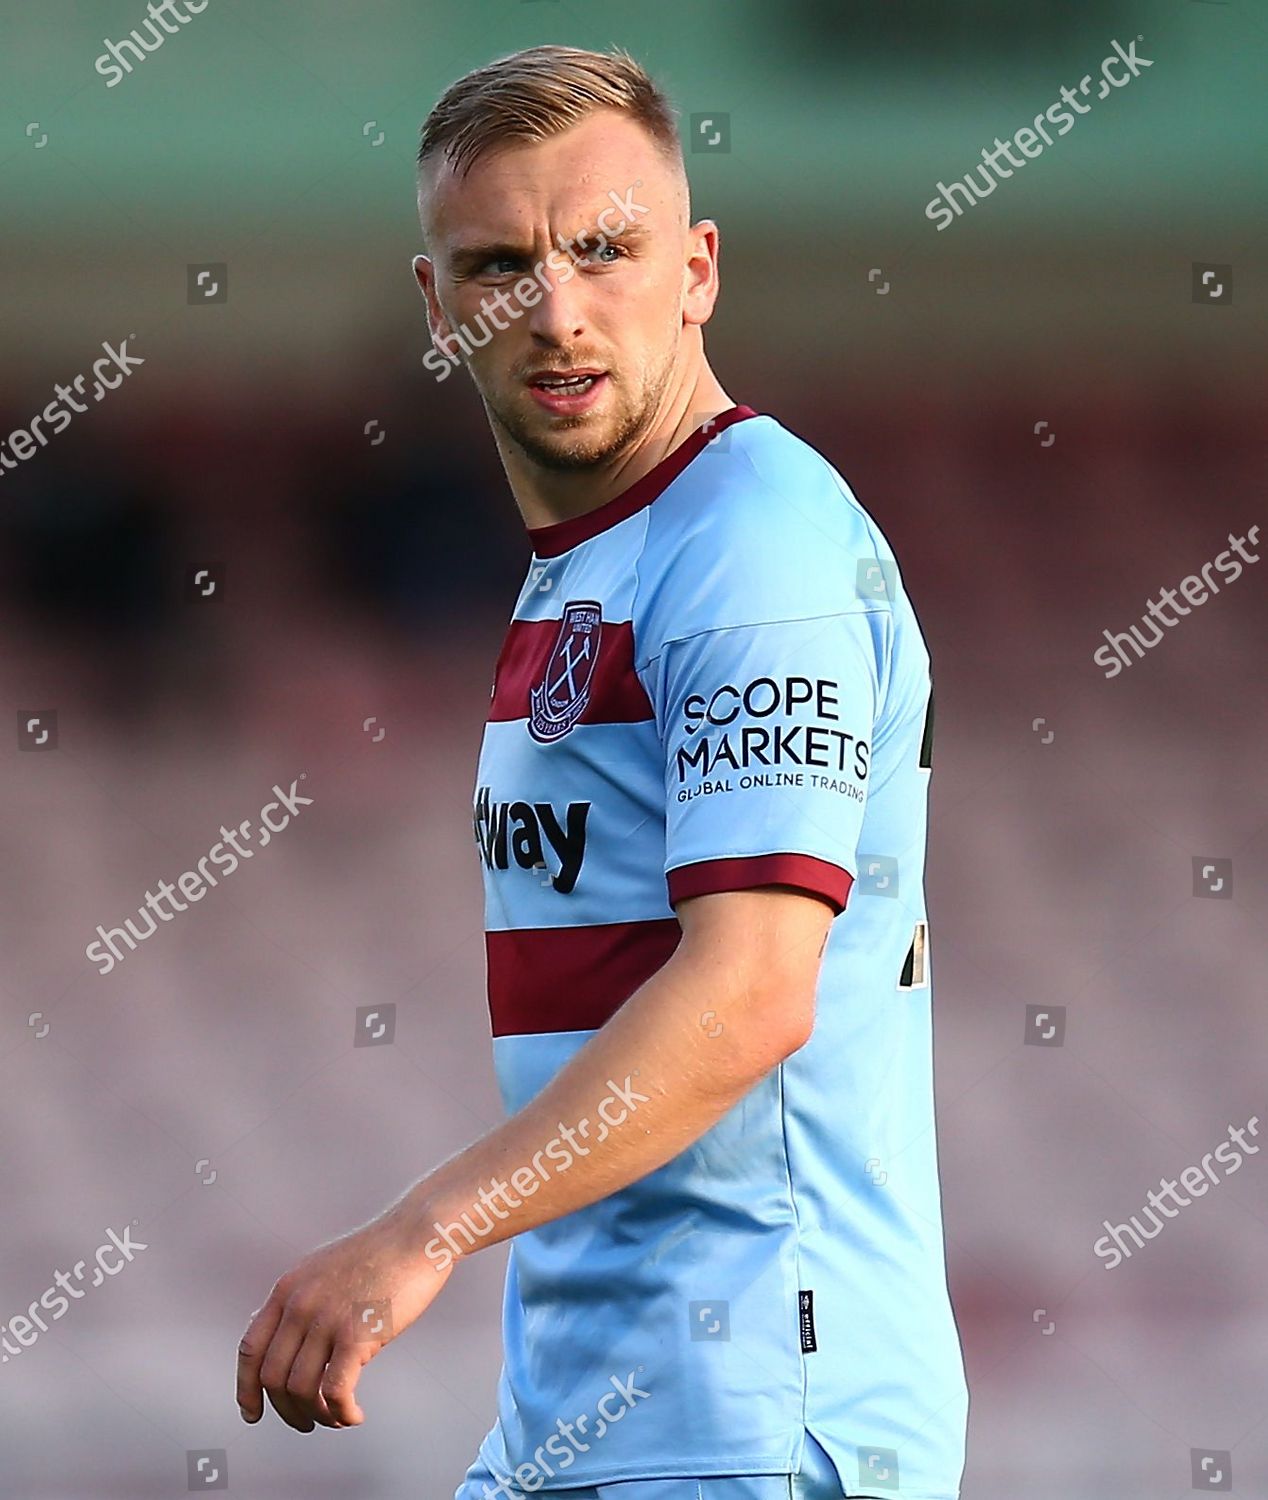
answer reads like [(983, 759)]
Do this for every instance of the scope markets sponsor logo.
[(520, 833), (773, 731)]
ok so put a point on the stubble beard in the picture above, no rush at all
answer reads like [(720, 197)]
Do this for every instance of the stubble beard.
[(573, 445)]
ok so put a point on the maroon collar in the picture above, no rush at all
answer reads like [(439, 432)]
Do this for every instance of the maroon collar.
[(562, 536)]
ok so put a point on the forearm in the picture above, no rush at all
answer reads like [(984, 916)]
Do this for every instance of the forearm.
[(677, 1055), (734, 1000)]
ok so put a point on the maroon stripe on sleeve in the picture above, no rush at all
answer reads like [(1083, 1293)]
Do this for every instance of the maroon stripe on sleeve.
[(571, 978), (616, 694), (818, 877)]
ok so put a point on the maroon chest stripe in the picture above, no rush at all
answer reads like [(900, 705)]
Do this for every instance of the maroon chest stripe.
[(616, 694), (544, 979)]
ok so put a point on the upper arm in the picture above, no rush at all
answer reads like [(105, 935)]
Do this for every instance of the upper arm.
[(766, 735), (758, 952)]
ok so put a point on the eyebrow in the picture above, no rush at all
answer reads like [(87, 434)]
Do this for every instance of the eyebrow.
[(467, 258)]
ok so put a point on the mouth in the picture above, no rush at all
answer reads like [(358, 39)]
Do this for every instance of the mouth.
[(567, 391)]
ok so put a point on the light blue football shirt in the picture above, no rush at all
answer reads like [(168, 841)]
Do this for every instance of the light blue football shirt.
[(716, 681)]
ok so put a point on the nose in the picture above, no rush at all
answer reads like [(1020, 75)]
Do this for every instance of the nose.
[(559, 317)]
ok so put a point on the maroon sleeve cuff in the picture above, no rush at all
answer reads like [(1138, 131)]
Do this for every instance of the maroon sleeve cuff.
[(817, 877)]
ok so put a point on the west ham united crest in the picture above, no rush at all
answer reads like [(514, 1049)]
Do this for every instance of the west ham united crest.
[(560, 698)]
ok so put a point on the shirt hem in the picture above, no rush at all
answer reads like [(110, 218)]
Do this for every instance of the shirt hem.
[(714, 1467)]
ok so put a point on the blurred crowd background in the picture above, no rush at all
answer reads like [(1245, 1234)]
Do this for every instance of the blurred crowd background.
[(1041, 405)]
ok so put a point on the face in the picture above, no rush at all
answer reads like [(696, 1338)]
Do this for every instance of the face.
[(613, 307)]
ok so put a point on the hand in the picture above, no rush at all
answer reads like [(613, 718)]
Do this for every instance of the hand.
[(327, 1318)]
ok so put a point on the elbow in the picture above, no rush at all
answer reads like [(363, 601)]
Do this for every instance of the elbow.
[(766, 1036), (795, 1031), (783, 1009)]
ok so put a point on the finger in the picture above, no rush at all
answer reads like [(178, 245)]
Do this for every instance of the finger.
[(304, 1381), (251, 1352), (276, 1367), (289, 1411), (339, 1384)]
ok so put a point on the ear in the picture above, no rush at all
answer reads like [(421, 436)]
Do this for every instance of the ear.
[(700, 280), (425, 275)]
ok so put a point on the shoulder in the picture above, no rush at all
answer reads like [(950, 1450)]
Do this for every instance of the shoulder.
[(758, 528)]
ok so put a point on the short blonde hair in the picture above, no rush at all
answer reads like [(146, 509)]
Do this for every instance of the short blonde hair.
[(538, 93)]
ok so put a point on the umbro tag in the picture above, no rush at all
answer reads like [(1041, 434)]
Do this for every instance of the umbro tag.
[(807, 1313)]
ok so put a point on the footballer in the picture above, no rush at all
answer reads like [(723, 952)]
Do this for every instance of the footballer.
[(700, 809)]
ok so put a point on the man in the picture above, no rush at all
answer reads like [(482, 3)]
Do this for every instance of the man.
[(701, 807)]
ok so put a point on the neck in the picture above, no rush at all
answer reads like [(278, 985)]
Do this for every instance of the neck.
[(545, 496)]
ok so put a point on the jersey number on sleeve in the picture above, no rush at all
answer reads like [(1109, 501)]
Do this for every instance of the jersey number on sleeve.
[(926, 740), (915, 974)]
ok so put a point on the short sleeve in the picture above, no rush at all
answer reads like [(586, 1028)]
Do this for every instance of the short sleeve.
[(766, 731)]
